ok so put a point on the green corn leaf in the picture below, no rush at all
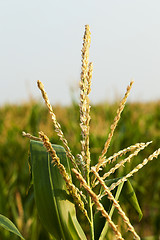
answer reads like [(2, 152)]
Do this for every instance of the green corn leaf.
[(105, 229), (128, 193), (7, 224), (100, 224), (56, 211)]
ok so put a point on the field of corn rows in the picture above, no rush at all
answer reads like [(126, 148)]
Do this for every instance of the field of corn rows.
[(139, 123)]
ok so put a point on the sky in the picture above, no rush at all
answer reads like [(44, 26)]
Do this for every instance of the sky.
[(43, 40)]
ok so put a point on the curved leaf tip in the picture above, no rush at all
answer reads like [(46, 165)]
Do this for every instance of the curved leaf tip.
[(8, 225)]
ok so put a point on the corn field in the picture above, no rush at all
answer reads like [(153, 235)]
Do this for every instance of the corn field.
[(17, 203), (58, 183)]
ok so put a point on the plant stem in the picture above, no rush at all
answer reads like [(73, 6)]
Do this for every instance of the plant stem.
[(105, 229), (90, 210), (91, 217)]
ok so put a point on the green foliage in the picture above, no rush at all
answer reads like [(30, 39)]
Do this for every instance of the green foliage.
[(124, 190), (139, 123), (56, 211), (8, 225)]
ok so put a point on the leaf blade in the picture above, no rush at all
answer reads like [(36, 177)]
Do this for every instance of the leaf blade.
[(8, 225), (54, 206), (129, 194)]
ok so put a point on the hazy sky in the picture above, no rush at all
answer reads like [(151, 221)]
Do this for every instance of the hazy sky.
[(43, 40)]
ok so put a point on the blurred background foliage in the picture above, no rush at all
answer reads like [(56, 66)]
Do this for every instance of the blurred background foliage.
[(140, 122)]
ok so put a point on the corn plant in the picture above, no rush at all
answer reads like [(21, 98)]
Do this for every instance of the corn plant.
[(56, 194), (53, 168)]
